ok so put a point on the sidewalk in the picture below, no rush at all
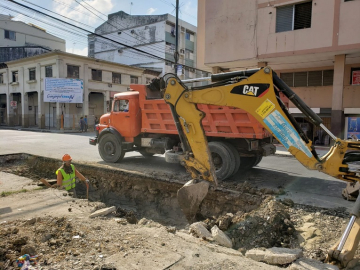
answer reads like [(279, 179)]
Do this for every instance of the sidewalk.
[(52, 130)]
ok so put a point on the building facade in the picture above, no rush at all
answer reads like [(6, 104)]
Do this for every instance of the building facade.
[(150, 33), (22, 89), (313, 45), (20, 40)]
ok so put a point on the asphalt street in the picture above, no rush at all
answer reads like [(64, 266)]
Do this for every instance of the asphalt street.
[(280, 171)]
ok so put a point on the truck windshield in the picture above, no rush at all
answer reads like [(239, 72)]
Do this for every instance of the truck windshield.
[(121, 105)]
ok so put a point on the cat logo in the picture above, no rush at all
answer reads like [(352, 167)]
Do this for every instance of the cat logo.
[(252, 90)]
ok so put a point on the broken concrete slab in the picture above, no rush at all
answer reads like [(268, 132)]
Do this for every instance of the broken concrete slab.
[(274, 255), (198, 228), (220, 237), (103, 212), (309, 264)]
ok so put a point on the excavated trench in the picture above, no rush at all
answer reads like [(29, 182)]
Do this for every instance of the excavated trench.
[(146, 195)]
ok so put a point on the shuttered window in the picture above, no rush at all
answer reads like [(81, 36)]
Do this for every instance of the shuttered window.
[(328, 77), (310, 78), (293, 17), (284, 18), (300, 79), (315, 78), (302, 17), (288, 78)]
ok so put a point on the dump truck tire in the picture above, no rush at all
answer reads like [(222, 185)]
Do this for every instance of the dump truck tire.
[(236, 157), (223, 159), (110, 148)]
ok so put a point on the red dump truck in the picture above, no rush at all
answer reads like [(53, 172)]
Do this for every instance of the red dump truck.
[(140, 120)]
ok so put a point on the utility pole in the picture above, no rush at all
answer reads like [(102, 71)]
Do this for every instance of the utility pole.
[(176, 53)]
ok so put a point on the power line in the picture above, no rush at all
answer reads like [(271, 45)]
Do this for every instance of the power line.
[(95, 34)]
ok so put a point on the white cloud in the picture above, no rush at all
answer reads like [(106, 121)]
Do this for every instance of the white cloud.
[(75, 11), (151, 11), (83, 51)]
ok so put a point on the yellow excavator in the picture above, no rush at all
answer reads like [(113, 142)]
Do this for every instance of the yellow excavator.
[(256, 91)]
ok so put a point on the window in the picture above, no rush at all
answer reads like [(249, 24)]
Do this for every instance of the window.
[(288, 78), (355, 76), (315, 78), (133, 80), (32, 74), (48, 71), (187, 36), (73, 72), (293, 17), (189, 54), (116, 78), (1, 78), (15, 77), (10, 35), (308, 78), (96, 75)]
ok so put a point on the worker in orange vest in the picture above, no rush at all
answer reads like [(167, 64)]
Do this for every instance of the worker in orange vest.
[(66, 175)]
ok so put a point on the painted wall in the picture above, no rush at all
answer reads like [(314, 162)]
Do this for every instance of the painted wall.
[(246, 33)]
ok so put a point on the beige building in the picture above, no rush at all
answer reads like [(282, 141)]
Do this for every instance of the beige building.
[(313, 45), (22, 89)]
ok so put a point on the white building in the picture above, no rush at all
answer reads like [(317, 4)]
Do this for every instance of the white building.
[(22, 88), (154, 34), (19, 40)]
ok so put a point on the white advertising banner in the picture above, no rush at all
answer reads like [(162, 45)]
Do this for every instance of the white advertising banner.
[(63, 90)]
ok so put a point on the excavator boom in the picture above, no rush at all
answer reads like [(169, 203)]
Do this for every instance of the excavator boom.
[(257, 92)]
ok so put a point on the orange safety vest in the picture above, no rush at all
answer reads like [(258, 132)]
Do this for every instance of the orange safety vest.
[(68, 181)]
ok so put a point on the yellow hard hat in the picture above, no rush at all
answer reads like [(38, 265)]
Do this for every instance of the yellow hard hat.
[(66, 157)]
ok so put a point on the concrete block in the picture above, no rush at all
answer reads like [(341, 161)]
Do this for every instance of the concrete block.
[(220, 237), (103, 212), (198, 228), (274, 255)]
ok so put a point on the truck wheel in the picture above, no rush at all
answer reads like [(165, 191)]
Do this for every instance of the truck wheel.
[(110, 149), (236, 156), (223, 159), (248, 162), (146, 154)]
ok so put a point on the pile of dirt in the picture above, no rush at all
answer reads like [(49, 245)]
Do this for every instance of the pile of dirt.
[(268, 226), (63, 243)]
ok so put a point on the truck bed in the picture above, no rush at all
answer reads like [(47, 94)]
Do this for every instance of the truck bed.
[(219, 121)]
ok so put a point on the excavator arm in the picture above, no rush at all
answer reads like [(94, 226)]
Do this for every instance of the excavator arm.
[(257, 92)]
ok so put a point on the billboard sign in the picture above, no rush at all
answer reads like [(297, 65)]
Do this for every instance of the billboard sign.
[(63, 90), (353, 127)]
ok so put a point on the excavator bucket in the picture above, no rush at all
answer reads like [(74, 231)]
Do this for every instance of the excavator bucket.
[(190, 197)]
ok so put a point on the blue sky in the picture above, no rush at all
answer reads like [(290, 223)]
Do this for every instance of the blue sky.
[(76, 10)]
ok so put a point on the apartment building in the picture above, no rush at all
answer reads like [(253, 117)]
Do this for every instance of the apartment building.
[(150, 33), (20, 40), (313, 45), (22, 89)]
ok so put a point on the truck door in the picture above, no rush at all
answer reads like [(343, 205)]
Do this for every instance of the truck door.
[(124, 118)]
